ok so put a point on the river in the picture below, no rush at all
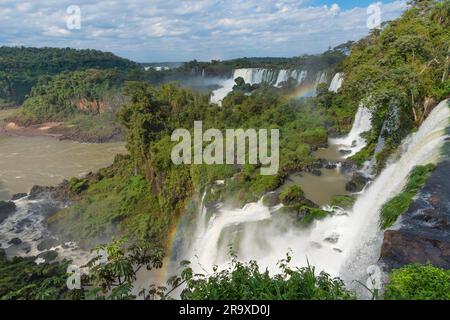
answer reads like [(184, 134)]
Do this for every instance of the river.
[(46, 161)]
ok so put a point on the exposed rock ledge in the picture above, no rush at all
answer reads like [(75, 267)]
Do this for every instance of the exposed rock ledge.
[(423, 233)]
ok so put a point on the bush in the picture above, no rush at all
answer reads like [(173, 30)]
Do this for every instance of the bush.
[(245, 281), (418, 282)]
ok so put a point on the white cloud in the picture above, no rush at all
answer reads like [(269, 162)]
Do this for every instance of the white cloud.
[(335, 9), (180, 30)]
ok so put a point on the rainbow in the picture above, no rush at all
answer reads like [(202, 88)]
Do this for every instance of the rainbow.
[(174, 237), (303, 91)]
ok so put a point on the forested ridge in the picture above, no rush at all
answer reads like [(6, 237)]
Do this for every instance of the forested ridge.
[(21, 67)]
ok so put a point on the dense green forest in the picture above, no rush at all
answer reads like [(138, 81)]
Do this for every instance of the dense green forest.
[(21, 67)]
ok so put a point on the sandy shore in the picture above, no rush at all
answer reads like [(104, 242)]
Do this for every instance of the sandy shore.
[(43, 129)]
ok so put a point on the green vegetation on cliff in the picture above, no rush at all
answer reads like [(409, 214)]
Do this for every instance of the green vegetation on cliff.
[(399, 204), (400, 72), (85, 101)]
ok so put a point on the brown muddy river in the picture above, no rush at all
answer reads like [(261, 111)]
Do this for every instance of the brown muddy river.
[(321, 189), (28, 161)]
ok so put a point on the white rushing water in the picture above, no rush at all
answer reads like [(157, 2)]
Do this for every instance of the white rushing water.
[(353, 142), (260, 75), (27, 224), (344, 244), (336, 83)]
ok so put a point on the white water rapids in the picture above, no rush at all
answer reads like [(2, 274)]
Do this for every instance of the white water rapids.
[(344, 244)]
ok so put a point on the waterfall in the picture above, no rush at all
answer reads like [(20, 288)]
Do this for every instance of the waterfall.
[(284, 75), (353, 142), (336, 83), (343, 244), (321, 78), (259, 75)]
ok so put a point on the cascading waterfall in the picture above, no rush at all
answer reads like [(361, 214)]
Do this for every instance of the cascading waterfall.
[(321, 78), (353, 142), (260, 75), (336, 83), (285, 75), (344, 244)]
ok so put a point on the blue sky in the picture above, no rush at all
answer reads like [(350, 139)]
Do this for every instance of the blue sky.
[(169, 30)]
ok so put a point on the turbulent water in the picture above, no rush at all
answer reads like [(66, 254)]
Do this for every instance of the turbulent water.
[(344, 244), (28, 161)]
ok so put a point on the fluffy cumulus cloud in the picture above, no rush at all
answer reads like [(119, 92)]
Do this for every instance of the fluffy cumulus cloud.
[(178, 30)]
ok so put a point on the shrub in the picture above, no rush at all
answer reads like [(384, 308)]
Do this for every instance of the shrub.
[(418, 282)]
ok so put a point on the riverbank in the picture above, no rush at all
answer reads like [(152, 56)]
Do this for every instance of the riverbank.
[(81, 129)]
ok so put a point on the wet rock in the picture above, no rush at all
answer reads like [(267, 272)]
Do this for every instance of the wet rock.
[(18, 196), (6, 208), (357, 183), (334, 238), (423, 234), (331, 166), (48, 255), (402, 247), (316, 165), (271, 199), (348, 167), (58, 193), (15, 241), (47, 244), (345, 152), (337, 250), (316, 172)]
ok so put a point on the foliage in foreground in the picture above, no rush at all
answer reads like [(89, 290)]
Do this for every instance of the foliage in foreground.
[(21, 278), (399, 204), (245, 281), (418, 282), (240, 281)]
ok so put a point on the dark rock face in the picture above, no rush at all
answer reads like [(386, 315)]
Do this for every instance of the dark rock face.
[(345, 152), (271, 199), (48, 255), (348, 167), (15, 241), (47, 244), (58, 193), (6, 208), (357, 183), (424, 234), (18, 196)]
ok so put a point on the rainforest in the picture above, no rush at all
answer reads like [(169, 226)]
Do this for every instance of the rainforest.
[(93, 206)]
